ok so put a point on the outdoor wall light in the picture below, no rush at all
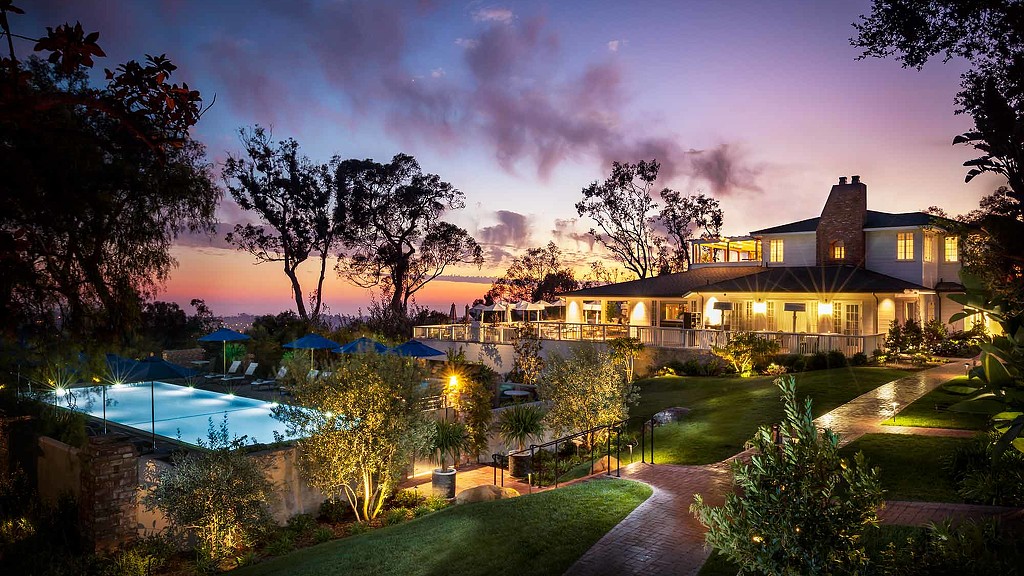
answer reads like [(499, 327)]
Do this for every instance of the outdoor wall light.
[(825, 308), (760, 307)]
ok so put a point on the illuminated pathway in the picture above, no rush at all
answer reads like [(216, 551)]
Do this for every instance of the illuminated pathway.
[(661, 536)]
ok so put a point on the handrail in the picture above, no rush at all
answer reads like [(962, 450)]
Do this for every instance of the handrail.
[(535, 479)]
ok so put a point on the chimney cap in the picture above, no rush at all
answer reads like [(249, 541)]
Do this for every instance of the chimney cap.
[(855, 179), (842, 179)]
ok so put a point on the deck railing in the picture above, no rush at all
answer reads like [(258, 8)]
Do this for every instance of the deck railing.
[(663, 337)]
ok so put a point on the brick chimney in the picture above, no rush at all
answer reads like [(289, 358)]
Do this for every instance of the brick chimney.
[(840, 234)]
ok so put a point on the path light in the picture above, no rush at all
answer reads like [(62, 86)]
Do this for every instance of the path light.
[(967, 370), (895, 405)]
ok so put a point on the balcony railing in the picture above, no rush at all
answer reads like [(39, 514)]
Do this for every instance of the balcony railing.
[(663, 337)]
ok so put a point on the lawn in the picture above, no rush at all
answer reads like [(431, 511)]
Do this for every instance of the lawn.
[(930, 410), (537, 534), (911, 466), (726, 411)]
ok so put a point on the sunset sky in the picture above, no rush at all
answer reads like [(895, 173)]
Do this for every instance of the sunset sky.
[(522, 104)]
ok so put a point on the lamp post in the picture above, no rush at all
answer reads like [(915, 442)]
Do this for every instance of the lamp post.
[(967, 370)]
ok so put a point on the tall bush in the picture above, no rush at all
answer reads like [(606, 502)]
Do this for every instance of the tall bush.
[(359, 428), (800, 508), (746, 350), (217, 493)]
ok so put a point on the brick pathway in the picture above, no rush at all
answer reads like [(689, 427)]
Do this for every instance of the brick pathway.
[(661, 536)]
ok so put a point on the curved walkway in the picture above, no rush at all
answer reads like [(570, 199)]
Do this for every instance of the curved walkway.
[(661, 536)]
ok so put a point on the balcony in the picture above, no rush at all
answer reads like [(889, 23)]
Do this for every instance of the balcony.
[(661, 337)]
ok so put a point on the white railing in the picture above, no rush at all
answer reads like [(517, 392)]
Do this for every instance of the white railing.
[(663, 337)]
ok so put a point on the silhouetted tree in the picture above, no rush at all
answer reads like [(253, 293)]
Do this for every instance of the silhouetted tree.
[(297, 200), (395, 238), (684, 216), (97, 183), (537, 275), (990, 36), (625, 213)]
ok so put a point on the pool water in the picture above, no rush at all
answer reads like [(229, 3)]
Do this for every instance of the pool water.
[(182, 413)]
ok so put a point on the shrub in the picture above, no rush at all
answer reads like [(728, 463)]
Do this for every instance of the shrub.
[(774, 369), (281, 545), (982, 477), (919, 359), (435, 502), (406, 499), (301, 524), (335, 510), (816, 361), (219, 493), (397, 516), (878, 356), (357, 528), (859, 359), (969, 548), (836, 359), (322, 534), (746, 350), (782, 521)]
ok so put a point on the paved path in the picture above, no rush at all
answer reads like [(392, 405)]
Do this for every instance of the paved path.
[(661, 536)]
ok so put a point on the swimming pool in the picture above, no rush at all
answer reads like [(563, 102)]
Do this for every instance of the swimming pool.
[(182, 413)]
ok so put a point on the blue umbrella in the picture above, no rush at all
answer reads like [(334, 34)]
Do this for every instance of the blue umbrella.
[(312, 342), (152, 369), (363, 344), (224, 335), (416, 349)]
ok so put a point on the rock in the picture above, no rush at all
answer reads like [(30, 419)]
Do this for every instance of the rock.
[(485, 493), (606, 463), (670, 415)]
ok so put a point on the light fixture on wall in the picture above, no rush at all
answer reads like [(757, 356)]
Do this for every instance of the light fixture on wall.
[(824, 308), (760, 307)]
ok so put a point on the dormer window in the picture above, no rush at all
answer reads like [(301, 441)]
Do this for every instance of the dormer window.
[(905, 246), (838, 250), (775, 254), (952, 248)]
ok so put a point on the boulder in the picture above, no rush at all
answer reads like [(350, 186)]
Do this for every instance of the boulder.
[(670, 415), (606, 463), (485, 493)]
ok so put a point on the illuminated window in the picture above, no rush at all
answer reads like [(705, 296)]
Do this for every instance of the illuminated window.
[(905, 246), (838, 250), (775, 253), (952, 249), (851, 326), (929, 248)]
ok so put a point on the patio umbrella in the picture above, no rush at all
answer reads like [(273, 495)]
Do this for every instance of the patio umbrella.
[(312, 342), (452, 314), (152, 369), (416, 349), (224, 335), (363, 344), (527, 307)]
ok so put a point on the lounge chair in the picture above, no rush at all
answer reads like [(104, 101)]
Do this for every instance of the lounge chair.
[(232, 370), (312, 374), (269, 383), (325, 375), (249, 371)]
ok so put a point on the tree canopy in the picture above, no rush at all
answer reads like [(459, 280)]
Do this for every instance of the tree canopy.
[(645, 237), (395, 239), (98, 182), (540, 274), (990, 36), (297, 201)]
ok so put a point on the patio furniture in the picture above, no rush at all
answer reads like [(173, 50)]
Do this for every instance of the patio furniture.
[(269, 383), (249, 372), (232, 371)]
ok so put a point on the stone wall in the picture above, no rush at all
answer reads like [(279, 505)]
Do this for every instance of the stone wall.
[(185, 356), (110, 480), (842, 219)]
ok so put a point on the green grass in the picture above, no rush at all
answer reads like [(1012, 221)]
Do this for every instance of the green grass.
[(725, 412), (537, 534), (911, 466), (923, 412)]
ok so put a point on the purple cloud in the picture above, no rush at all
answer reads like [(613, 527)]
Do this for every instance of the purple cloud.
[(512, 230)]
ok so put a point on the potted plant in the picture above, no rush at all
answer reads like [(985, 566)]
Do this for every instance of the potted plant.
[(450, 438), (517, 426)]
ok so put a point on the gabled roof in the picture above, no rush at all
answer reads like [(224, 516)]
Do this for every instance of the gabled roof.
[(813, 279), (669, 285), (874, 219)]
